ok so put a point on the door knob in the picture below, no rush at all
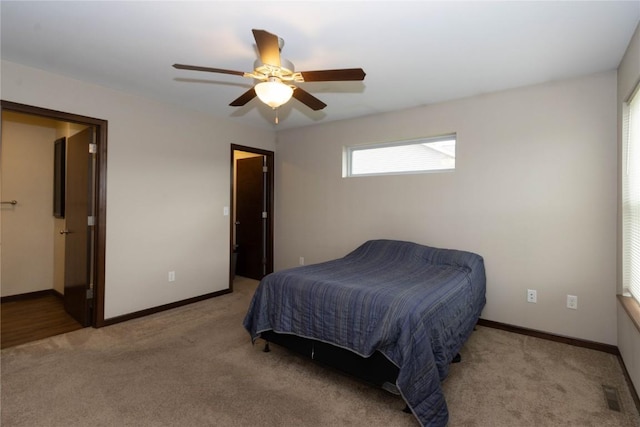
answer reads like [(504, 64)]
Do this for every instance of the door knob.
[(64, 232)]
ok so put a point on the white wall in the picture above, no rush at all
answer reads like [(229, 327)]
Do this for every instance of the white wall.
[(27, 232), (534, 192), (168, 179), (628, 334), (34, 248)]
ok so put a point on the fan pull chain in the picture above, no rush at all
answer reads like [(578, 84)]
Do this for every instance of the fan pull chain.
[(276, 120)]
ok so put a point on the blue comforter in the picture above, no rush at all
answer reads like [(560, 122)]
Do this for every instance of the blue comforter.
[(415, 304)]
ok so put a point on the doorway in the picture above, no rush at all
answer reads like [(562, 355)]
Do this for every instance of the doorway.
[(84, 224), (252, 212)]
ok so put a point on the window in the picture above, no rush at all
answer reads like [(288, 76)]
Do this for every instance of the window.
[(631, 198), (415, 156)]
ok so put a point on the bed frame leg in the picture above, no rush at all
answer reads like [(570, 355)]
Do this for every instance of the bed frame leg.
[(457, 358), (266, 348)]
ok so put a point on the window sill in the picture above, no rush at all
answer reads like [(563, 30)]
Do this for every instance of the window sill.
[(632, 308)]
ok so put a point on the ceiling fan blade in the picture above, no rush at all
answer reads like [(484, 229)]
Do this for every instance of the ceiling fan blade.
[(307, 99), (268, 47), (244, 98), (210, 70), (333, 75)]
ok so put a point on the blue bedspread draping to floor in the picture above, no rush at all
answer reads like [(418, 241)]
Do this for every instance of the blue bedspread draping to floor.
[(415, 304)]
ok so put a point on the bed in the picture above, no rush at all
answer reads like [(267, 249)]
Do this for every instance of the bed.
[(409, 304)]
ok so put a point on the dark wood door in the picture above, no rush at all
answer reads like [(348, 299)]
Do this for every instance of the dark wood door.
[(77, 229), (250, 224)]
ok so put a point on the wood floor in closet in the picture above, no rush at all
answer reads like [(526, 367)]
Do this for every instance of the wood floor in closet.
[(29, 320)]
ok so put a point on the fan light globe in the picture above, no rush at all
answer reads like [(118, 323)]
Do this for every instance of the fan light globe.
[(273, 92)]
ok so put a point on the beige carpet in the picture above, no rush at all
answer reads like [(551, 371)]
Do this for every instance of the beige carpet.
[(195, 366)]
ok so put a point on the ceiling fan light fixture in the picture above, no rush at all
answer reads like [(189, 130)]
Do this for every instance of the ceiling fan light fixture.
[(273, 92), (276, 78)]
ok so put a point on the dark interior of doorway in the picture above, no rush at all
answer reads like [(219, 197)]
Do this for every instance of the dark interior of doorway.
[(257, 243)]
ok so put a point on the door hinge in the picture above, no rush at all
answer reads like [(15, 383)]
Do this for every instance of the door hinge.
[(265, 169), (90, 293), (91, 221), (93, 148), (264, 215)]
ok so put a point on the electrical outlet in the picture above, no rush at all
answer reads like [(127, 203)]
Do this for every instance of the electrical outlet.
[(301, 260), (572, 302), (532, 295), (172, 276)]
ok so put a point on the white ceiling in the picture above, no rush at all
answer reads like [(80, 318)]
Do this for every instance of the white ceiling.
[(414, 53)]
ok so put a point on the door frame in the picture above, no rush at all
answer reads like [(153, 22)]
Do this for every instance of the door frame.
[(97, 317), (270, 156)]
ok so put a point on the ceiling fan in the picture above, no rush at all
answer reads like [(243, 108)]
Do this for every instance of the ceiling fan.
[(277, 76)]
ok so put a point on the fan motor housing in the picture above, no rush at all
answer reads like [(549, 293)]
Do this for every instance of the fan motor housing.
[(286, 70)]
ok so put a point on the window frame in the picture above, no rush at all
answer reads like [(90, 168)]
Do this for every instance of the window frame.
[(348, 151), (629, 273)]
